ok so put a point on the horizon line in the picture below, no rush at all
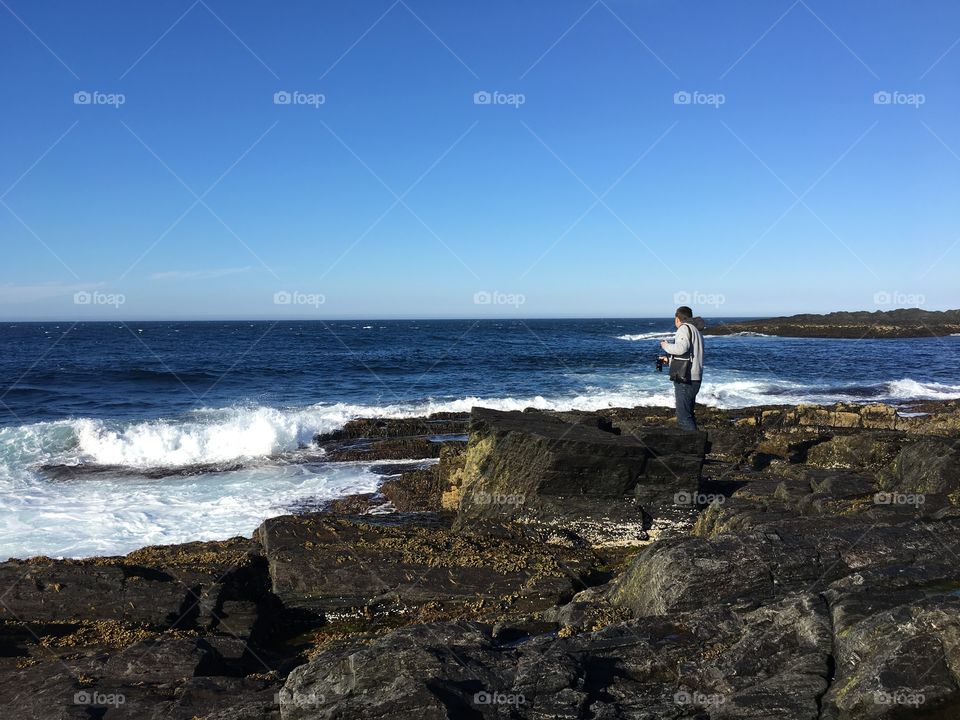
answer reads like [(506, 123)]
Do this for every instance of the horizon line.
[(413, 318), (342, 318)]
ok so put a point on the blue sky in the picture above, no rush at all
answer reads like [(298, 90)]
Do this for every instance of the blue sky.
[(587, 186)]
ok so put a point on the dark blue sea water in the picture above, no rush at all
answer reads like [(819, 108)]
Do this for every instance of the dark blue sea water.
[(138, 396)]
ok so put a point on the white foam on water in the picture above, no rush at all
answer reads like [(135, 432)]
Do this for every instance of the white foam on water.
[(665, 335), (247, 433), (207, 437), (646, 336), (907, 389), (110, 514), (99, 515)]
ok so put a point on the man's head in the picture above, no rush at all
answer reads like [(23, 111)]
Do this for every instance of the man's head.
[(682, 315)]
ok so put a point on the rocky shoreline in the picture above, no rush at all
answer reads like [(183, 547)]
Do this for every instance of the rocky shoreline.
[(906, 323), (787, 562)]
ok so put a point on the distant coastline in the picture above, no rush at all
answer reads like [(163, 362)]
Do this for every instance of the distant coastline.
[(903, 323)]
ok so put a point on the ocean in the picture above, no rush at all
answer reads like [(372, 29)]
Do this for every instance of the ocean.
[(239, 402)]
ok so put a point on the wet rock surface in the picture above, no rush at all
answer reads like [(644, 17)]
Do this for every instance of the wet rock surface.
[(339, 566), (789, 562), (571, 472), (392, 439)]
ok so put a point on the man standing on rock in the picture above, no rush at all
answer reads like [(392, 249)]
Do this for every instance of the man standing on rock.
[(685, 356)]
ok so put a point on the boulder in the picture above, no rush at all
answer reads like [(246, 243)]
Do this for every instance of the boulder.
[(687, 573), (767, 561), (769, 663), (534, 466), (415, 491), (858, 451), (930, 465), (792, 491), (894, 659)]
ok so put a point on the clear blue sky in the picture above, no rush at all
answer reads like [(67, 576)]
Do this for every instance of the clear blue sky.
[(400, 196)]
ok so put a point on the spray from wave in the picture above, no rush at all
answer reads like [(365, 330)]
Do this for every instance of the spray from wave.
[(647, 336), (239, 434), (102, 514), (669, 335)]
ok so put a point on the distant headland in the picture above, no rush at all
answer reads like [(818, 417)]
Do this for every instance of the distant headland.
[(902, 323)]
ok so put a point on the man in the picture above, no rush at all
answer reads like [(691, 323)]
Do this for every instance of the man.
[(686, 345)]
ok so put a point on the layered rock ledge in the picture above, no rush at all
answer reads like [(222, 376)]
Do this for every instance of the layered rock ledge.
[(788, 562)]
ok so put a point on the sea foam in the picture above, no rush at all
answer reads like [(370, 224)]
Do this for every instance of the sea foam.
[(245, 433)]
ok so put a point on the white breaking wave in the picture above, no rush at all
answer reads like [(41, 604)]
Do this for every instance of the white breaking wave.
[(241, 434), (213, 437), (907, 389), (107, 516), (647, 336), (668, 335), (238, 434), (104, 514)]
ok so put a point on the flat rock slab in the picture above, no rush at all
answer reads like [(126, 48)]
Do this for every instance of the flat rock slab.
[(62, 590), (337, 566), (442, 423), (181, 586), (84, 689), (534, 465)]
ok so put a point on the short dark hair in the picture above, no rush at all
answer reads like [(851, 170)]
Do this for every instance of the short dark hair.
[(684, 313)]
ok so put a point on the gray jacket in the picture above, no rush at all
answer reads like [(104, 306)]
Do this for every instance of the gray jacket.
[(688, 334)]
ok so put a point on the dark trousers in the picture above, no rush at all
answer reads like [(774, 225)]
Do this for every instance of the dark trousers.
[(685, 395)]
